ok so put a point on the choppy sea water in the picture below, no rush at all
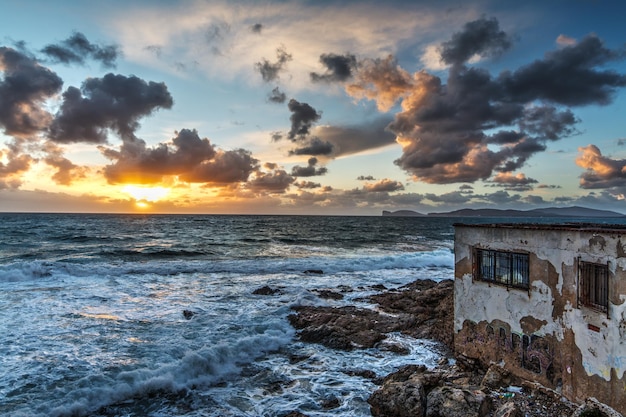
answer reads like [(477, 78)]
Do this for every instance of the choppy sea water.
[(92, 324)]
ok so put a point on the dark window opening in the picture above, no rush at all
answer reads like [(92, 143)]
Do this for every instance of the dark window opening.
[(594, 285), (504, 268)]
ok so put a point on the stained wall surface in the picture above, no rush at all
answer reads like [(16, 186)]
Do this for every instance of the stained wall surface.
[(544, 333)]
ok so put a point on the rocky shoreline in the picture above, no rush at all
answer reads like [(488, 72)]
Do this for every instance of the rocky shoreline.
[(457, 387)]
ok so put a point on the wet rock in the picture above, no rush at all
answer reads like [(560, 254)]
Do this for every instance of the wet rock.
[(430, 304), (328, 294), (295, 414), (345, 328), (265, 290), (188, 314), (331, 403), (314, 271), (398, 399), (422, 310)]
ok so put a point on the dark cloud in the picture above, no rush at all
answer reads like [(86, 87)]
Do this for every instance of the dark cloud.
[(454, 197), (314, 146), (534, 199), (621, 142), (519, 182), (276, 182), (277, 96), (365, 178), (466, 188), (77, 48), (384, 185), (270, 71), (309, 170), (24, 88), (308, 184), (568, 76), (302, 118), (347, 140), (188, 156), (339, 68), (462, 131), (481, 37), (601, 171), (256, 28), (114, 102)]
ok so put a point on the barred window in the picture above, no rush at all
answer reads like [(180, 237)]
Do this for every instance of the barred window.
[(594, 285), (503, 268)]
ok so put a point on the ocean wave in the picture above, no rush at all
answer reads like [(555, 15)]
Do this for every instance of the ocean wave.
[(36, 270)]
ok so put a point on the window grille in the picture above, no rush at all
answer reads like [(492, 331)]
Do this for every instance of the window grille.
[(510, 269), (594, 285)]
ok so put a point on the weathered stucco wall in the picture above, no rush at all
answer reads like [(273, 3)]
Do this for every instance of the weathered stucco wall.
[(541, 333)]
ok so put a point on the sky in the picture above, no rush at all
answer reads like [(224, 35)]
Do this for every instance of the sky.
[(311, 107)]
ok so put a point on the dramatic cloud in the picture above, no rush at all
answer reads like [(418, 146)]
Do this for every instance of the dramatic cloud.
[(277, 96), (314, 146), (308, 171), (381, 80), (114, 102), (15, 165), (567, 76), (276, 182), (348, 140), (512, 182), (24, 87), (384, 185), (67, 171), (307, 184), (481, 37), (339, 68), (270, 71), (602, 172), (463, 131), (190, 158), (76, 49), (302, 118)]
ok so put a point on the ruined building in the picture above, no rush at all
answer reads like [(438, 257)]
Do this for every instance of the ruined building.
[(548, 302)]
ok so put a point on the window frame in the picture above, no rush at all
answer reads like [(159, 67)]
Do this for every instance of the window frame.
[(505, 268), (593, 285)]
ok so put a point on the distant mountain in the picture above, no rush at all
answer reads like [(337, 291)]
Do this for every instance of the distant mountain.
[(543, 212), (402, 213)]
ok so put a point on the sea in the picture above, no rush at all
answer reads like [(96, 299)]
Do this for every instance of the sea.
[(156, 315)]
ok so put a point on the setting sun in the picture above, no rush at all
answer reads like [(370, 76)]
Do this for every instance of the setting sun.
[(150, 194)]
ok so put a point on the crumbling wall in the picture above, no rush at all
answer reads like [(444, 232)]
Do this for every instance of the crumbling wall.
[(542, 334)]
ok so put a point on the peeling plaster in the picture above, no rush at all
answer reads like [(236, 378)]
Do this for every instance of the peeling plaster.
[(590, 346)]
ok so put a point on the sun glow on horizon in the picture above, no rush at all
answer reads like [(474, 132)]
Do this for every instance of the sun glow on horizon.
[(145, 194)]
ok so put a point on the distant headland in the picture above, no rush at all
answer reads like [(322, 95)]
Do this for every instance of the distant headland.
[(543, 212)]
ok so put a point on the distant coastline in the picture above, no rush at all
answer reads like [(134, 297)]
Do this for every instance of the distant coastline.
[(565, 212)]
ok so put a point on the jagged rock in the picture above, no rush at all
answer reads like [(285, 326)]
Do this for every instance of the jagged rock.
[(456, 402), (345, 328), (331, 403), (295, 414), (509, 409), (423, 310), (328, 294), (594, 408), (188, 314), (265, 290), (496, 377), (430, 305), (398, 399)]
